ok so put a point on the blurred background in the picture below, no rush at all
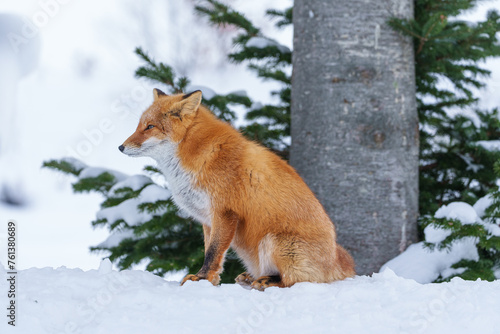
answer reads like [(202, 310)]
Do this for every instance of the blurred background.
[(67, 88)]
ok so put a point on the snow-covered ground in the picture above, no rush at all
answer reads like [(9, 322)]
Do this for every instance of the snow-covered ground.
[(105, 301)]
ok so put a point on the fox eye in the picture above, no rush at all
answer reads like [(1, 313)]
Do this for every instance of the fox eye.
[(150, 127)]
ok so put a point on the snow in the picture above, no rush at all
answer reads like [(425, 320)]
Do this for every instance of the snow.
[(207, 93), (153, 193), (134, 182), (262, 42), (96, 171), (66, 300), (259, 42), (458, 210), (105, 267), (127, 211), (77, 164), (242, 93), (424, 266), (435, 235), (256, 106), (482, 204), (493, 229), (470, 165), (115, 238), (490, 145)]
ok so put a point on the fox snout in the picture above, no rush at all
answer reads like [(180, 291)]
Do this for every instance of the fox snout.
[(140, 147), (128, 150), (133, 150)]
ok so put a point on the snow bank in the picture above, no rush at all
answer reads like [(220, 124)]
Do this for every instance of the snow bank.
[(425, 265), (66, 300)]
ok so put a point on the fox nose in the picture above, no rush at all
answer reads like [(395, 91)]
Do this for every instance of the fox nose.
[(121, 148)]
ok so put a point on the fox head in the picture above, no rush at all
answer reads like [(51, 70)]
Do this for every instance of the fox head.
[(165, 121)]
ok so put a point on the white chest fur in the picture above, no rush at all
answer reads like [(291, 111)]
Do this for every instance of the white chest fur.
[(193, 201)]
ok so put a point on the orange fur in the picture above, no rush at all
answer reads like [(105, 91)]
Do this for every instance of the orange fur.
[(258, 204)]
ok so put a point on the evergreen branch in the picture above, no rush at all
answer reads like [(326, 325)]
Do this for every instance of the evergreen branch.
[(157, 207), (221, 15), (273, 54), (270, 73), (285, 16), (101, 184), (157, 72), (152, 170), (62, 166)]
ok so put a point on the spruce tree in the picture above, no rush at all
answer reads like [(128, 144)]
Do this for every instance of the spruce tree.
[(448, 56), (453, 165)]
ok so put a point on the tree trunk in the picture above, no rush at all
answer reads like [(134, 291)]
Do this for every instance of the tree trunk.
[(354, 122)]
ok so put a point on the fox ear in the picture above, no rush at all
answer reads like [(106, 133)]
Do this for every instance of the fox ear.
[(157, 93), (192, 100), (187, 106)]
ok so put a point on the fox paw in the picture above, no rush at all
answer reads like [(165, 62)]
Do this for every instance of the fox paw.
[(266, 281), (190, 278), (212, 278), (244, 279)]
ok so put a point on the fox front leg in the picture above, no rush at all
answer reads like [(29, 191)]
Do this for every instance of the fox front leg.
[(221, 234), (206, 236)]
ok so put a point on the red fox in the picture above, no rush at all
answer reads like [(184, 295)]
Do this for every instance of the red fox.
[(245, 196)]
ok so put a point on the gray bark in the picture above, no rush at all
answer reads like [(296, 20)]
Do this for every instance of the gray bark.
[(354, 122)]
